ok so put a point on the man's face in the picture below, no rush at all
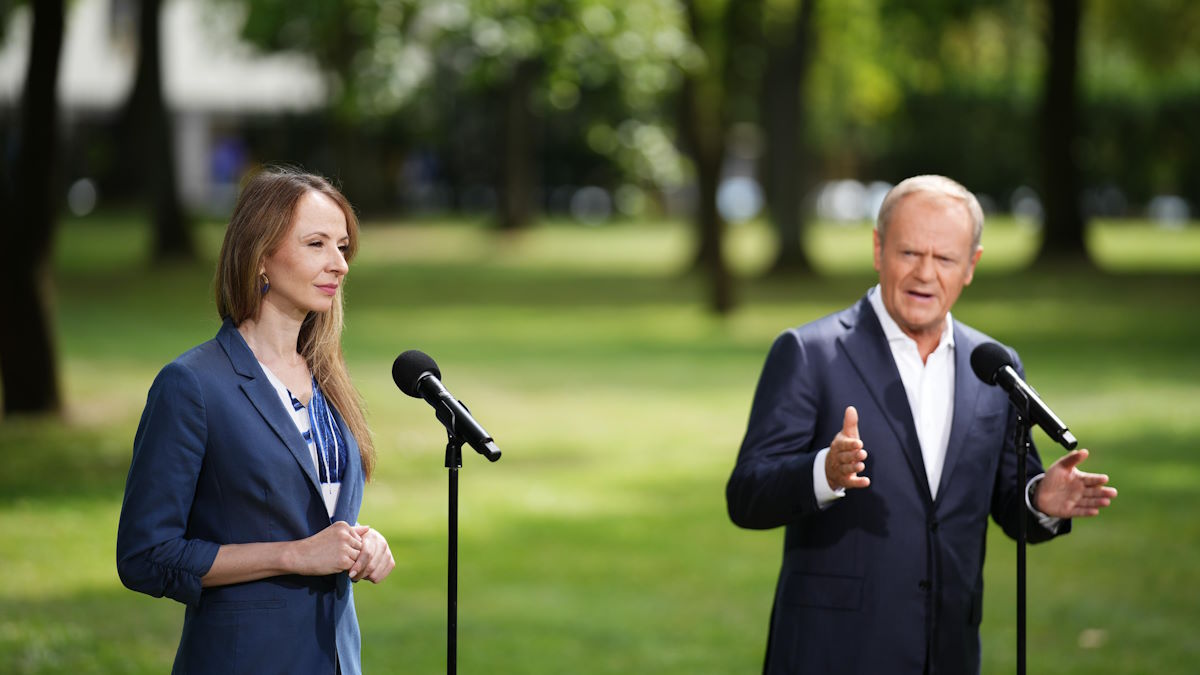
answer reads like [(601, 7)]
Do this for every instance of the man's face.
[(924, 260)]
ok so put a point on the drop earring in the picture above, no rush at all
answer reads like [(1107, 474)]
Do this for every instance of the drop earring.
[(266, 283)]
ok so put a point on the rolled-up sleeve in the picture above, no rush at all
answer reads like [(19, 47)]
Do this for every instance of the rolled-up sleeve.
[(154, 555)]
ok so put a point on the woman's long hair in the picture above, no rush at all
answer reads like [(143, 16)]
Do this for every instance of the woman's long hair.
[(261, 221)]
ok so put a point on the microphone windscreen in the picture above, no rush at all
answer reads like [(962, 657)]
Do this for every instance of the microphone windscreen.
[(408, 368), (987, 359)]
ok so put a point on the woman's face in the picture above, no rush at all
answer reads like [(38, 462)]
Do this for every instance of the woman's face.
[(307, 269)]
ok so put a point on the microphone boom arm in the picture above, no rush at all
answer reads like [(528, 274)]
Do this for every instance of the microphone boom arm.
[(457, 417), (1026, 400)]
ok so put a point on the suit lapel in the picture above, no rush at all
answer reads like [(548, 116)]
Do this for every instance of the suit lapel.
[(867, 349), (967, 388), (266, 400)]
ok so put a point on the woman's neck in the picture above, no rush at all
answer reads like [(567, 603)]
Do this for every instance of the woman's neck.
[(273, 336)]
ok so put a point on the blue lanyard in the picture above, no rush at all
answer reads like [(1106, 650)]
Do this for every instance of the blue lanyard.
[(327, 436)]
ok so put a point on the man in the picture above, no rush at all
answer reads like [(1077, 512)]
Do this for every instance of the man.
[(872, 441)]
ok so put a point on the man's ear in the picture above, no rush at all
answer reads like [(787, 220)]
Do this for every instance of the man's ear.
[(974, 261)]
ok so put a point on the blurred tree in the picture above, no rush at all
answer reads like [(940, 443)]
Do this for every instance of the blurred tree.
[(605, 64), (146, 128), (505, 51), (615, 72), (482, 81), (335, 33), (712, 93), (28, 365), (969, 100), (1064, 224), (518, 173), (861, 70), (789, 168), (380, 55), (1141, 81)]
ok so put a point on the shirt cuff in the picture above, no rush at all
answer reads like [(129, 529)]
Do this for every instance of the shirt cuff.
[(1051, 523), (825, 495)]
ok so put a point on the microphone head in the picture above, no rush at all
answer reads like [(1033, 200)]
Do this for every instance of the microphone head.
[(409, 367), (987, 359)]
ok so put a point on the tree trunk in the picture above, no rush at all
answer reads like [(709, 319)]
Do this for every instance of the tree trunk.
[(28, 364), (150, 134), (703, 121), (789, 53), (1063, 228), (708, 151), (517, 160)]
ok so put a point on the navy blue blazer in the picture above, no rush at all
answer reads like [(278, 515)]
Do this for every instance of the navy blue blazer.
[(887, 579), (218, 460)]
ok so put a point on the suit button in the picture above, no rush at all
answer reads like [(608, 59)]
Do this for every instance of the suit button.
[(923, 584), (933, 525)]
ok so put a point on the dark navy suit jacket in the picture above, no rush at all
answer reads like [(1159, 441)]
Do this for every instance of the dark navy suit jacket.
[(218, 460), (886, 579)]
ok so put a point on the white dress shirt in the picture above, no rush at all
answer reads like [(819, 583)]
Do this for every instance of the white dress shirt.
[(929, 386)]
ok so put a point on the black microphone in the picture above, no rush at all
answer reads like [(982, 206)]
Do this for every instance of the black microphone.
[(993, 365), (417, 375)]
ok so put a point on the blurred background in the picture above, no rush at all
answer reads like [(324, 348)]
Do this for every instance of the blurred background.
[(596, 214)]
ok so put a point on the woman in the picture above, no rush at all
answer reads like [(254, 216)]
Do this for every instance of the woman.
[(248, 465)]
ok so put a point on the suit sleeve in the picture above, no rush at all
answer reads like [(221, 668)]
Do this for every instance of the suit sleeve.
[(1008, 495), (153, 554), (772, 481)]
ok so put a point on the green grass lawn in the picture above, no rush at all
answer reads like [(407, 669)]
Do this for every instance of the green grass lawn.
[(599, 543)]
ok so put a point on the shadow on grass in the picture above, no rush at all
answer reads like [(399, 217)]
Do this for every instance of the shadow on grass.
[(110, 631), (50, 459)]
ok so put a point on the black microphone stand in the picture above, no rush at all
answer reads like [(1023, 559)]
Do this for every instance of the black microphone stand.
[(416, 374), (454, 444), (453, 463), (1022, 444)]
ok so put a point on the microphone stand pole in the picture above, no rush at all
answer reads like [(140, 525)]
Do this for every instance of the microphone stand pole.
[(453, 463), (1022, 444), (454, 444)]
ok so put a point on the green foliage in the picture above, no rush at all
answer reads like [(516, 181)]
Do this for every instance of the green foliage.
[(901, 88), (878, 60), (607, 66), (1156, 39), (360, 43), (604, 67), (599, 543), (396, 45), (896, 87)]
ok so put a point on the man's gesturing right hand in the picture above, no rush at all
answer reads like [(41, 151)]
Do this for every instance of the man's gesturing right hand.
[(846, 456)]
